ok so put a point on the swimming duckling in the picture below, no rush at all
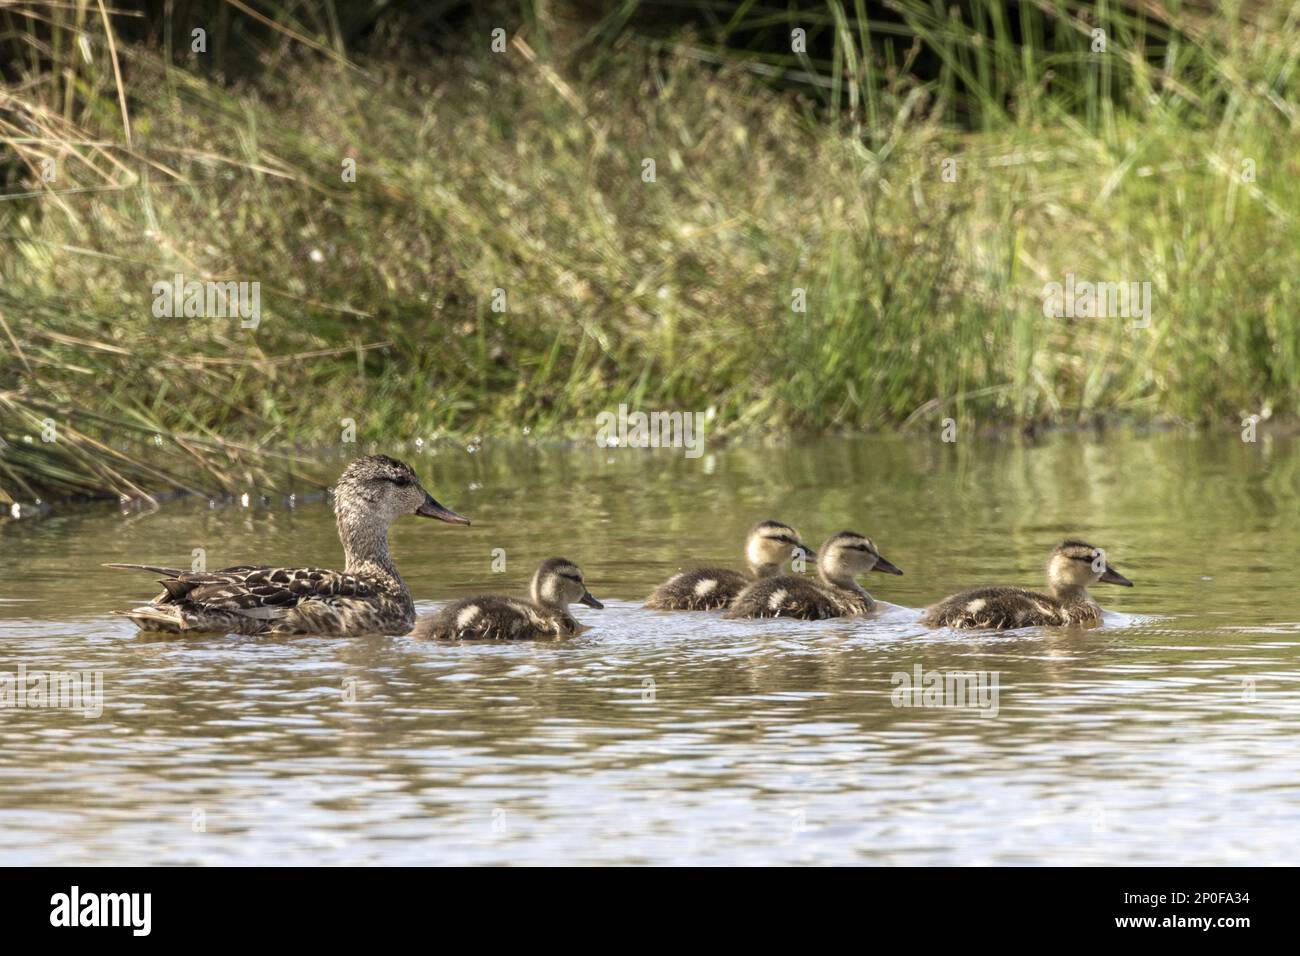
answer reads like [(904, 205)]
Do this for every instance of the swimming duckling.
[(556, 585), (769, 545), (1072, 566), (843, 557), (367, 597)]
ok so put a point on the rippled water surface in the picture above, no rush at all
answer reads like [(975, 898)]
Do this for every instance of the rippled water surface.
[(1167, 736)]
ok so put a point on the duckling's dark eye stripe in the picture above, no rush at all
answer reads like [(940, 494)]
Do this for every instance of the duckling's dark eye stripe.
[(571, 577)]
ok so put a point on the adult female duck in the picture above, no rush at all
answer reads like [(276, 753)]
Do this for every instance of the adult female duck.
[(367, 597)]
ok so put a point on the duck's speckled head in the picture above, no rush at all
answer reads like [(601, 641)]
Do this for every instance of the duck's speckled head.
[(1077, 564), (772, 544), (846, 555), (378, 489), (558, 583)]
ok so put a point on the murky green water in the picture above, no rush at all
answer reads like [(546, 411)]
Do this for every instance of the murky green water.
[(1168, 736)]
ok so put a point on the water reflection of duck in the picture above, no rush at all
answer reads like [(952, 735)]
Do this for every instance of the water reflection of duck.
[(557, 584), (769, 545), (368, 596), (842, 558), (1071, 568)]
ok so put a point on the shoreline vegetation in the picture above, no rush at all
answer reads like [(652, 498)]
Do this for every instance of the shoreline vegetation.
[(885, 231)]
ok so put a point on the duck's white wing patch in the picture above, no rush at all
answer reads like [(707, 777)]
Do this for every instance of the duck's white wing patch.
[(467, 615), (777, 599), (975, 606), (706, 587)]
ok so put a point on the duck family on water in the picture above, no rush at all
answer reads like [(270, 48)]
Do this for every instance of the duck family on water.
[(369, 597)]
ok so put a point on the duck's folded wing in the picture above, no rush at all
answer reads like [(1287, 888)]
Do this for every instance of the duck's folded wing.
[(262, 592)]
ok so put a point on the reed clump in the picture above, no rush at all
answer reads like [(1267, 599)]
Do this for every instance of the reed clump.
[(668, 218)]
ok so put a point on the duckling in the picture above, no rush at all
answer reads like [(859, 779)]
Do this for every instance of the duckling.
[(367, 597), (1072, 566), (768, 546), (557, 584), (842, 558)]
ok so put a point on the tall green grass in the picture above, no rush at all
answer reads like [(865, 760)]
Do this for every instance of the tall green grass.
[(522, 171)]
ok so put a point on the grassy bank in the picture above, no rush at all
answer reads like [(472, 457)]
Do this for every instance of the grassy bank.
[(1168, 159)]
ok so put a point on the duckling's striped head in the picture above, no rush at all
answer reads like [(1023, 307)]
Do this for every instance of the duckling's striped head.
[(1077, 564), (377, 489), (846, 555), (772, 544), (558, 583)]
